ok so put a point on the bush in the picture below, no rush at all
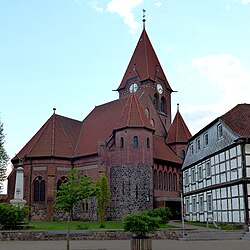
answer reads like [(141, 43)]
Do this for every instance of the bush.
[(12, 216), (141, 223), (83, 226), (163, 213)]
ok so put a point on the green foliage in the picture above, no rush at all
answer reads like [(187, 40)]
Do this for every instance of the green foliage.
[(83, 226), (12, 216), (102, 225), (164, 213), (141, 223), (103, 196), (77, 189), (3, 158)]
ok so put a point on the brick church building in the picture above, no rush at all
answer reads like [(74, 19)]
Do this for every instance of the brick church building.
[(132, 139)]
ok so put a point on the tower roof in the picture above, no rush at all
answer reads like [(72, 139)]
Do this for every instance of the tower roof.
[(133, 115), (144, 63), (178, 131)]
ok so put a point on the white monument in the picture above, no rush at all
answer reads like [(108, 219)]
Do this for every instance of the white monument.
[(18, 196)]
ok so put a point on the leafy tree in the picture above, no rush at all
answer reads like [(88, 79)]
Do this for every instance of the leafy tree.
[(164, 213), (3, 158), (103, 196), (12, 216), (76, 190)]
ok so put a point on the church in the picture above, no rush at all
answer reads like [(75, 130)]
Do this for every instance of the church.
[(132, 139)]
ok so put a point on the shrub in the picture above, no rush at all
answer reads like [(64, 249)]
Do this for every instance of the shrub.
[(83, 226), (12, 216), (164, 213), (141, 224)]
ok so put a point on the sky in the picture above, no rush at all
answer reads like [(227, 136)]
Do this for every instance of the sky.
[(71, 55)]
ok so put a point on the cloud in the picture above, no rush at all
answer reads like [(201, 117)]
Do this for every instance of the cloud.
[(245, 2), (228, 78), (124, 9), (158, 4)]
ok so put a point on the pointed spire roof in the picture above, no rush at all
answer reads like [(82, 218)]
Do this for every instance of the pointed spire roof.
[(178, 131), (146, 63), (57, 137), (133, 115)]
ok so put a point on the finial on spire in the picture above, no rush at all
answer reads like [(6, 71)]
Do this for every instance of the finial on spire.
[(178, 107), (54, 110), (143, 20)]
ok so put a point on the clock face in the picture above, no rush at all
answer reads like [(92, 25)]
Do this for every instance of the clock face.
[(133, 88), (159, 88)]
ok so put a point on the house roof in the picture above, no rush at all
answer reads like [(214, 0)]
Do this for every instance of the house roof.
[(238, 120), (133, 115), (178, 131), (57, 137), (163, 152), (144, 63)]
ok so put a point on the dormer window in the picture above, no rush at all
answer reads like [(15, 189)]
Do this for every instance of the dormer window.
[(219, 131), (205, 139), (198, 144)]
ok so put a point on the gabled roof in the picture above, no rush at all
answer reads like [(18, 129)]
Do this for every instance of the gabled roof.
[(133, 115), (98, 126), (178, 131), (163, 152), (57, 137), (238, 120), (144, 63)]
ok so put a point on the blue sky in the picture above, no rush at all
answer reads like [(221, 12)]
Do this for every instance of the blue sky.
[(71, 54)]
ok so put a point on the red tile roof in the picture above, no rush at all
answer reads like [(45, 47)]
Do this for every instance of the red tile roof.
[(133, 115), (57, 137), (238, 120), (144, 63), (163, 151), (178, 131)]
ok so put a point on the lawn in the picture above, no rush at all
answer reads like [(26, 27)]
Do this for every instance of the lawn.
[(79, 225)]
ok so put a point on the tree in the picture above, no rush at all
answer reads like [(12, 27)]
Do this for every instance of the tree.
[(103, 196), (76, 190), (3, 158)]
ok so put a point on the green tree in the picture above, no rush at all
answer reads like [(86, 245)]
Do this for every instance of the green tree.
[(103, 196), (76, 190), (3, 158)]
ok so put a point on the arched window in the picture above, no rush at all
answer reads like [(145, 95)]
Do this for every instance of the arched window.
[(135, 142), (175, 182), (63, 179), (169, 181), (148, 143), (160, 180), (122, 142), (163, 105), (165, 181), (156, 101), (136, 191), (183, 154), (39, 189), (147, 113), (152, 122), (155, 179)]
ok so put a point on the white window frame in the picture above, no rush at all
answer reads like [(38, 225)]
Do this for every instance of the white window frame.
[(193, 179), (198, 144), (201, 204), (193, 204), (191, 149), (200, 172), (209, 202), (186, 178), (208, 169), (205, 138), (219, 131)]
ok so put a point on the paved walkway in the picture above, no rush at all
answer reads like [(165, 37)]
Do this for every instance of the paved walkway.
[(124, 245)]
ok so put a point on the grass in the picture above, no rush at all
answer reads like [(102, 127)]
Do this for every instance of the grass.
[(79, 225), (221, 225)]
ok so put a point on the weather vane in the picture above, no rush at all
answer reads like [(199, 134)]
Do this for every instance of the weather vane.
[(144, 20)]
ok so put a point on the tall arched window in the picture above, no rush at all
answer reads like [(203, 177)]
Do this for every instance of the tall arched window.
[(156, 101), (122, 142), (163, 105), (135, 142), (148, 143), (39, 189), (169, 181), (160, 180), (175, 182), (147, 113), (155, 179), (63, 179), (165, 181)]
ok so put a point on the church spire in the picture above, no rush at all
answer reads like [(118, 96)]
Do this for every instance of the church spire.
[(143, 20)]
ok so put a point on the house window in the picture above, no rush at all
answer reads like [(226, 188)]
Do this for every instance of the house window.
[(208, 169), (165, 180), (175, 182), (200, 175), (201, 204), (191, 149), (205, 139), (122, 142), (155, 179), (135, 142), (39, 189), (194, 205), (193, 175), (219, 131), (148, 143), (169, 181), (163, 104), (198, 144), (209, 203), (85, 206), (186, 178), (160, 180), (187, 205)]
